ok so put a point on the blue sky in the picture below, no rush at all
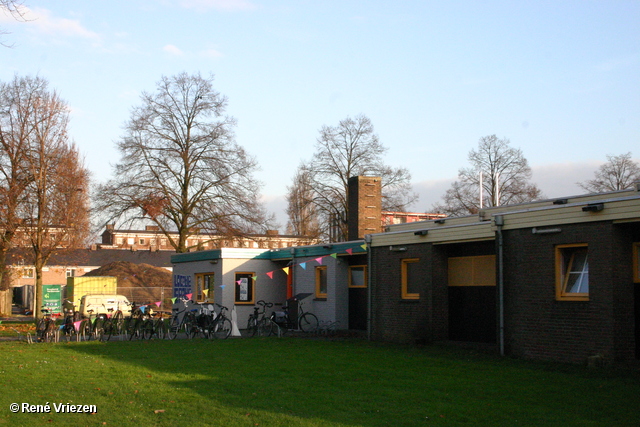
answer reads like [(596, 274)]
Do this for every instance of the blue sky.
[(560, 79)]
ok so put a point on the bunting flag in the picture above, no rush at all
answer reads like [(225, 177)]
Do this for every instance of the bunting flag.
[(173, 300), (77, 325), (335, 256), (350, 251), (222, 286), (158, 304), (254, 278), (286, 270), (143, 308), (205, 292), (303, 265), (270, 274), (364, 246), (319, 260), (188, 296)]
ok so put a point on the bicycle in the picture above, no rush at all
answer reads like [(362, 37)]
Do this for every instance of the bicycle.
[(305, 321), (46, 329), (258, 323), (182, 319), (137, 326), (220, 326), (70, 327), (114, 324), (156, 327)]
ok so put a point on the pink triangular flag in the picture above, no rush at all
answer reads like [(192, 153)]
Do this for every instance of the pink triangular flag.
[(188, 296), (349, 251), (319, 260), (270, 274), (158, 304)]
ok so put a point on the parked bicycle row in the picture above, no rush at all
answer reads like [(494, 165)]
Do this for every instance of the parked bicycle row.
[(186, 320), (140, 322)]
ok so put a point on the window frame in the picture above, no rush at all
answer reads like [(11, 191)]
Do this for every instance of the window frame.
[(201, 284), (239, 275), (365, 278), (404, 263), (320, 274), (562, 276)]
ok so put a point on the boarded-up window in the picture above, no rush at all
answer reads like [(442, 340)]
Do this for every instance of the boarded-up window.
[(472, 270)]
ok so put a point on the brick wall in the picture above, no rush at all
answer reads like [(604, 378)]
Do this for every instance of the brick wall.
[(538, 326)]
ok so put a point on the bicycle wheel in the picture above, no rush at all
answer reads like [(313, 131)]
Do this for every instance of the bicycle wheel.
[(265, 327), (222, 328), (191, 326), (174, 328), (134, 329), (41, 329), (85, 330), (98, 328), (147, 329), (160, 329), (117, 325), (107, 330), (308, 322), (252, 325)]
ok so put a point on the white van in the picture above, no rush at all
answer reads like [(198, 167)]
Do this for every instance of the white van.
[(102, 304)]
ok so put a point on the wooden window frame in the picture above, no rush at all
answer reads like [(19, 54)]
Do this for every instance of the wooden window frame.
[(318, 275), (562, 276), (200, 287), (238, 275), (404, 277), (366, 277)]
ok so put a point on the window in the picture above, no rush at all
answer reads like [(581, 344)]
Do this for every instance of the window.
[(410, 282), (572, 272), (636, 262), (358, 276), (321, 281), (141, 241), (71, 272), (204, 287), (244, 288), (28, 273)]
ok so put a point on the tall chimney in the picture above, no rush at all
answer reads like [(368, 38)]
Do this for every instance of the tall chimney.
[(365, 206)]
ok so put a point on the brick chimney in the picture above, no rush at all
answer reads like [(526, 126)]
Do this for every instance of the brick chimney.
[(365, 206)]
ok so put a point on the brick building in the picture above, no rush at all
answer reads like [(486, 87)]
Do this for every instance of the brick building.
[(555, 279)]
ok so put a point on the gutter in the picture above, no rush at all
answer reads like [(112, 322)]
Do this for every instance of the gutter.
[(367, 240), (499, 222)]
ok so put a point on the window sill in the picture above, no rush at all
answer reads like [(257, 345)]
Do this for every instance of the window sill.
[(320, 299)]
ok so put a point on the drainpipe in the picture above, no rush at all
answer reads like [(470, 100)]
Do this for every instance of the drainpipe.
[(499, 221), (367, 240)]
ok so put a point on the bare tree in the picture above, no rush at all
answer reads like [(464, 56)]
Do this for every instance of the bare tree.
[(55, 209), (498, 175), (17, 104), (43, 184), (13, 8), (619, 173), (181, 168), (351, 149), (303, 217)]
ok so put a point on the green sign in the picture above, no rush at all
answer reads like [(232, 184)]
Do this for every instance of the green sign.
[(52, 298)]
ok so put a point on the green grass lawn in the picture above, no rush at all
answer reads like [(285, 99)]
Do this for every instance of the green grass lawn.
[(305, 382)]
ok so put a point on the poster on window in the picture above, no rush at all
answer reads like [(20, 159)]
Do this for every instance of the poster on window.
[(243, 290)]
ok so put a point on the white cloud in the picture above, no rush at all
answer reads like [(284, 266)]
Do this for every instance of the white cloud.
[(211, 53), (228, 5), (44, 22), (173, 50)]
